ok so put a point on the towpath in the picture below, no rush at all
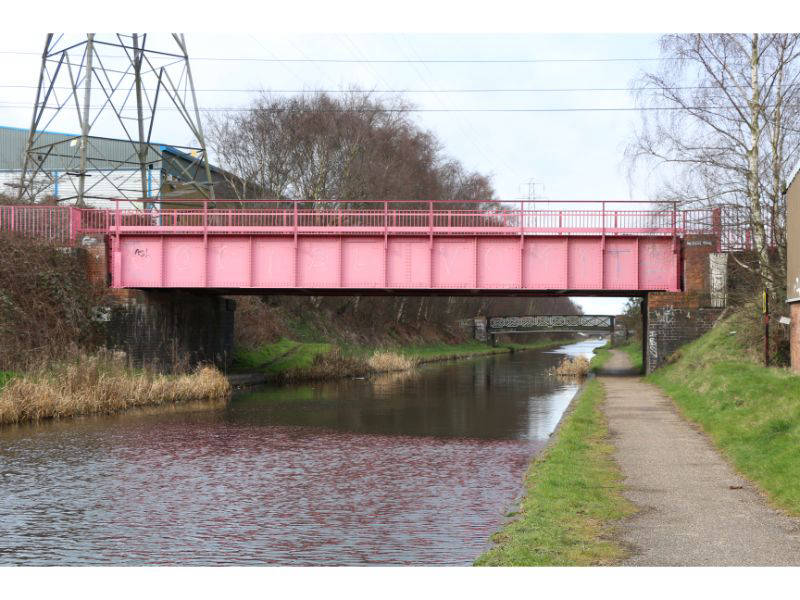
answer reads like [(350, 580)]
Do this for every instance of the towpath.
[(694, 510)]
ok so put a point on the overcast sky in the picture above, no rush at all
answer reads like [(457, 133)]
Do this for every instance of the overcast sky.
[(569, 155)]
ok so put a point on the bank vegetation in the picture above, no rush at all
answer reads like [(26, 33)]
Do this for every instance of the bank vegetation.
[(750, 412), (102, 383), (576, 367), (287, 360), (573, 496)]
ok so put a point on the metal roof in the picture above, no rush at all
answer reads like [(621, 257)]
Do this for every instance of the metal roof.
[(103, 153)]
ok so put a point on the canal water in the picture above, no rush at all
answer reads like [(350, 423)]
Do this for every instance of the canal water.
[(411, 468)]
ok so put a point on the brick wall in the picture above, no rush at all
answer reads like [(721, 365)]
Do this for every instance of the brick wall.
[(676, 318), (97, 258), (669, 328)]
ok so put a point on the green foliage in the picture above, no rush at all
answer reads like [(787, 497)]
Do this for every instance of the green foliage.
[(289, 356), (751, 413), (634, 352), (600, 358), (279, 357), (5, 377), (573, 493)]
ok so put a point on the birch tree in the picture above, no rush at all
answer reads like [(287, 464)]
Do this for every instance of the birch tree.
[(720, 129)]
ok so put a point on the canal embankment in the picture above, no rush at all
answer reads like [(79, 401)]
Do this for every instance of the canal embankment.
[(289, 361), (572, 497)]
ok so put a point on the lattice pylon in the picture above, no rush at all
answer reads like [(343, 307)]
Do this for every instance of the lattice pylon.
[(112, 79)]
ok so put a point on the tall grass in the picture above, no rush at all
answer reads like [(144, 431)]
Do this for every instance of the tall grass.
[(102, 383), (577, 367), (383, 361)]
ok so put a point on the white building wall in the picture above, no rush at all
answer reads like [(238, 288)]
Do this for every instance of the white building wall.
[(99, 183)]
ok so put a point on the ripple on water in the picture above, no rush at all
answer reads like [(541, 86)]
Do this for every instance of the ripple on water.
[(419, 471)]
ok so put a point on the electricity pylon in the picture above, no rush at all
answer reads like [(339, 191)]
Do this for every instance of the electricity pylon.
[(113, 80)]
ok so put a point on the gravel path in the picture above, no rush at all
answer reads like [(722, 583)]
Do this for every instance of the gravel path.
[(694, 509)]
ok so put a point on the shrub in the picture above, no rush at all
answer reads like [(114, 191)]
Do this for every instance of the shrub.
[(572, 367)]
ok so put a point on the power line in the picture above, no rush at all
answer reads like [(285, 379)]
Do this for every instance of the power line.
[(429, 110), (425, 91), (401, 60)]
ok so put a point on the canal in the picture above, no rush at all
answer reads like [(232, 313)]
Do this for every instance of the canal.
[(409, 468)]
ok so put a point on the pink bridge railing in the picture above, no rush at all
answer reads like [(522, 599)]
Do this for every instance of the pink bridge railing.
[(63, 224)]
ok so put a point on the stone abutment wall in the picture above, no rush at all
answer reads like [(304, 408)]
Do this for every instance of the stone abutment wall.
[(166, 331)]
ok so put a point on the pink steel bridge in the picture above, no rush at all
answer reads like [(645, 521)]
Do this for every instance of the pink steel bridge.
[(383, 247)]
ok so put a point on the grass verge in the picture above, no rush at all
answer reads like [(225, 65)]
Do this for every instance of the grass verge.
[(572, 495), (101, 384), (600, 358), (634, 352), (751, 413)]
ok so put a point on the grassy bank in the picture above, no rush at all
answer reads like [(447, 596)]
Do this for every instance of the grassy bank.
[(603, 354), (101, 384), (288, 360), (751, 413), (600, 358), (572, 493), (634, 352)]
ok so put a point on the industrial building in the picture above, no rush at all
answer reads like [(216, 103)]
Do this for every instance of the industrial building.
[(113, 169)]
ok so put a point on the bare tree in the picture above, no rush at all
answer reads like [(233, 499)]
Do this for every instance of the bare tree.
[(349, 148), (352, 148), (726, 127)]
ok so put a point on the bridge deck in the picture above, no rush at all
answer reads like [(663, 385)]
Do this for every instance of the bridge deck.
[(329, 246)]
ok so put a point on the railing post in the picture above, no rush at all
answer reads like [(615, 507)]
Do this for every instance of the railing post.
[(674, 218), (72, 229), (205, 218), (521, 216), (12, 218), (603, 218), (430, 217)]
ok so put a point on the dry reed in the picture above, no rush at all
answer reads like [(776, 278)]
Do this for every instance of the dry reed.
[(384, 362), (102, 384), (572, 367)]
